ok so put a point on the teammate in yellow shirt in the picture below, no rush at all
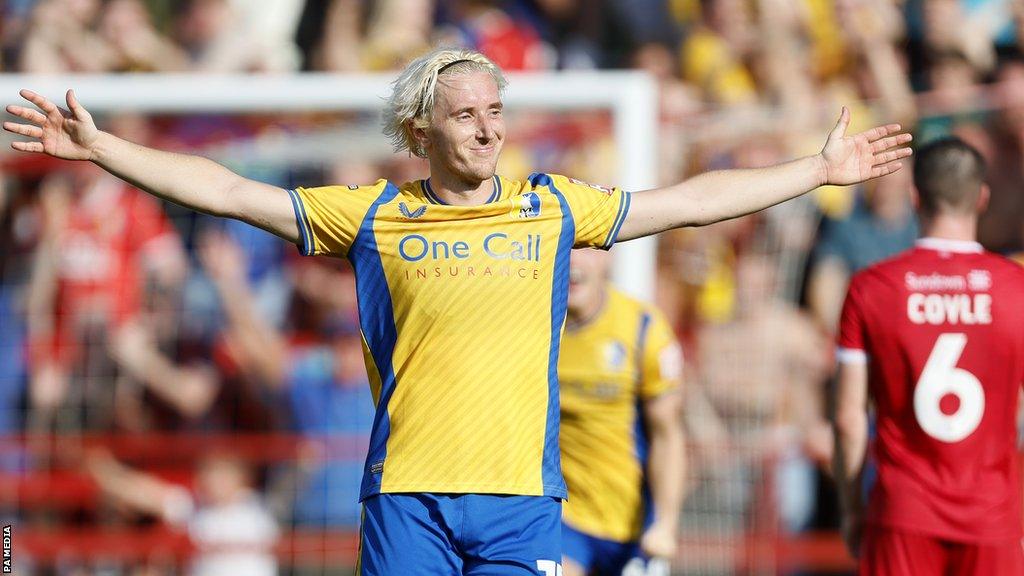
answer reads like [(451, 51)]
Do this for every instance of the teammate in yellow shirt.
[(620, 372), (462, 281)]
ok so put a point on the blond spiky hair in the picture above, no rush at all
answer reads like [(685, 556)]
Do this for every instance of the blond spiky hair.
[(412, 96)]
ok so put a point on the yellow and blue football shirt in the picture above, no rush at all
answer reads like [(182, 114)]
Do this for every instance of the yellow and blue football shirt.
[(461, 308), (609, 366)]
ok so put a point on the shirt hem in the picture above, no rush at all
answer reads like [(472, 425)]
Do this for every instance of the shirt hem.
[(597, 534), (415, 488)]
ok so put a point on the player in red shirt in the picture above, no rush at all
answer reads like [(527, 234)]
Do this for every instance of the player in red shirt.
[(933, 337)]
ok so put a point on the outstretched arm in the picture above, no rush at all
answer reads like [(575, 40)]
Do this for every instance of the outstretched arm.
[(724, 194), (191, 181)]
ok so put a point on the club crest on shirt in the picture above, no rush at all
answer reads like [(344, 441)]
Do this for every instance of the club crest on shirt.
[(529, 205), (614, 355), (598, 187), (979, 280), (353, 187), (411, 214)]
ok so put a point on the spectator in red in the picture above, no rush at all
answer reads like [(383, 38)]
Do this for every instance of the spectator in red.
[(483, 26), (103, 247), (103, 242)]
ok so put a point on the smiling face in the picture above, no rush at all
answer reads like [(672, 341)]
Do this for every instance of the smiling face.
[(466, 130)]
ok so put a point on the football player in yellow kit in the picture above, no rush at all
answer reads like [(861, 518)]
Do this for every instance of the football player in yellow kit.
[(619, 372), (462, 280)]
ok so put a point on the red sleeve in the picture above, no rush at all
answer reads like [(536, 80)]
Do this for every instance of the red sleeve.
[(852, 338)]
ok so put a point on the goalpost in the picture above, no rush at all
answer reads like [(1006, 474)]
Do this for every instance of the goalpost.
[(631, 98)]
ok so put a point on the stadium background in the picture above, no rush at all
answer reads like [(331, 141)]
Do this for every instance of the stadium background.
[(181, 394)]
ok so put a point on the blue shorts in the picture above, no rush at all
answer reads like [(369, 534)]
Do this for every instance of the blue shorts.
[(460, 534), (598, 556)]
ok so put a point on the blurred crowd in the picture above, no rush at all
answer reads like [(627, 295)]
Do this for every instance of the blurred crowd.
[(124, 317)]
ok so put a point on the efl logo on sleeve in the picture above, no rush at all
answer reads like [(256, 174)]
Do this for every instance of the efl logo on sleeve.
[(598, 187), (670, 362)]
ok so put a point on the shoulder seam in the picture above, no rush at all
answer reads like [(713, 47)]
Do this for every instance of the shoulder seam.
[(376, 202)]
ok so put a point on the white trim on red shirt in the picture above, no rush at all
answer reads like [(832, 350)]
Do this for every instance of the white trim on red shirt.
[(947, 245), (851, 356)]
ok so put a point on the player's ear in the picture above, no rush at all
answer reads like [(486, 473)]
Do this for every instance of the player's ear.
[(983, 197), (418, 131), (915, 198)]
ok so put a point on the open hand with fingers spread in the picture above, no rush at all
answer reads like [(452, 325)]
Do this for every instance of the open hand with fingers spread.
[(68, 134), (870, 154)]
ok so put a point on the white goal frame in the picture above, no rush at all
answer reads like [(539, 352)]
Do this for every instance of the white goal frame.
[(631, 97)]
